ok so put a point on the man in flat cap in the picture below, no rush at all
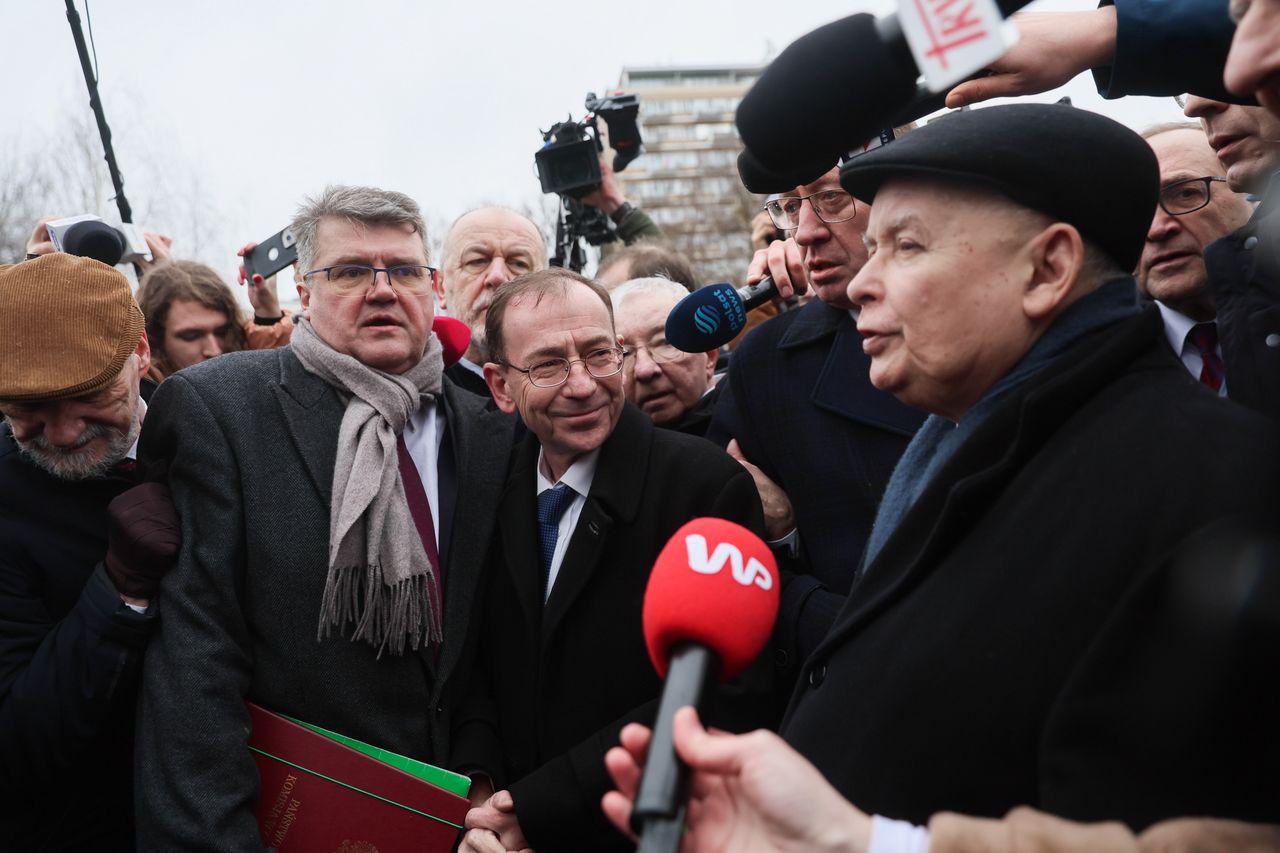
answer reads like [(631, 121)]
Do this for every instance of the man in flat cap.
[(82, 549), (1060, 604)]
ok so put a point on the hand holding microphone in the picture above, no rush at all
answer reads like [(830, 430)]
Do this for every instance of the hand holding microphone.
[(709, 609), (749, 793), (713, 315)]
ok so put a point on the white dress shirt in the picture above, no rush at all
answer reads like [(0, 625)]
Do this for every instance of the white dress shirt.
[(1177, 327), (423, 434)]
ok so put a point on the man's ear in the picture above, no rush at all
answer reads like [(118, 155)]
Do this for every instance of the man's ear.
[(713, 356), (143, 352), (1057, 258), (495, 377), (437, 284)]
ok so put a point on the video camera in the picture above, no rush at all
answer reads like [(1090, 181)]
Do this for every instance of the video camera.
[(568, 165), (89, 236)]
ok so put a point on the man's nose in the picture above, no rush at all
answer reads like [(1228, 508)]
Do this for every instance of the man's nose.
[(1163, 226), (580, 382), (645, 366), (498, 273), (810, 229), (64, 429)]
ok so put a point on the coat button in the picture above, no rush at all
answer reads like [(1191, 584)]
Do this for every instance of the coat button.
[(817, 675), (1273, 340), (1250, 242), (780, 658)]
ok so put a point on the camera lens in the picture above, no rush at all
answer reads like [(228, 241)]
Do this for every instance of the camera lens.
[(96, 240)]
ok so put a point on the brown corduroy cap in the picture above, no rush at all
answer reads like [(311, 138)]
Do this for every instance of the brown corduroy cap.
[(67, 326)]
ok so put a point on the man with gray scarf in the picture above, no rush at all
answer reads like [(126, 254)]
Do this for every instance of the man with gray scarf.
[(336, 498)]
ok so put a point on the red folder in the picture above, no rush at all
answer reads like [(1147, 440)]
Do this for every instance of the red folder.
[(317, 794)]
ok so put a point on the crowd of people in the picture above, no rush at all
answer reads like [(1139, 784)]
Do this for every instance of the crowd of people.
[(1010, 430)]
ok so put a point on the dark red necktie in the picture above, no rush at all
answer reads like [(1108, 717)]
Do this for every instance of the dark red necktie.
[(1212, 370), (420, 508)]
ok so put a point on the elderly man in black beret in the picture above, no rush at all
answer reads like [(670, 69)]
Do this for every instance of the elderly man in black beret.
[(1063, 603)]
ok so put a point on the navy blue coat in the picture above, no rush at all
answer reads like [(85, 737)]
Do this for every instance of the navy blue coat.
[(1166, 47), (800, 403), (70, 653)]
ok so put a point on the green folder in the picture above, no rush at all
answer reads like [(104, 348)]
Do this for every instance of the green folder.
[(454, 783)]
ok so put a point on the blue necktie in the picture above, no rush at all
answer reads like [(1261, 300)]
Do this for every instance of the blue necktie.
[(551, 506)]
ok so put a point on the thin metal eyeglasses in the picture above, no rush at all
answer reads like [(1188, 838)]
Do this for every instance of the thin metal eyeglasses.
[(552, 372), (662, 352), (830, 206), (1187, 196), (411, 278)]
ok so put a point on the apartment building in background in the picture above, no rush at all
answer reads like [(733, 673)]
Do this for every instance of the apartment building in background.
[(687, 179)]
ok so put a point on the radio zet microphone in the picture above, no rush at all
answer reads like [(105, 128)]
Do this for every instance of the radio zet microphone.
[(709, 609), (712, 316)]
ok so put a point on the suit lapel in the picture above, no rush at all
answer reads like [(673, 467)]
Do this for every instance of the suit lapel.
[(478, 445), (614, 500), (313, 413), (518, 514)]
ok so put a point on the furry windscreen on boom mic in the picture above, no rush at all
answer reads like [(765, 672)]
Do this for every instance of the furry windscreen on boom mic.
[(829, 90)]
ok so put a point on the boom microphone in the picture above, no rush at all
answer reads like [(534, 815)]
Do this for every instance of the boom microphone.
[(712, 316), (831, 89), (708, 610)]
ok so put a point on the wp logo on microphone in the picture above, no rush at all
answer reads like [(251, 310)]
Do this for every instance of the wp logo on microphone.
[(715, 584), (747, 572)]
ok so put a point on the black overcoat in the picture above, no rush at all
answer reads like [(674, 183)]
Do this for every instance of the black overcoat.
[(1035, 633)]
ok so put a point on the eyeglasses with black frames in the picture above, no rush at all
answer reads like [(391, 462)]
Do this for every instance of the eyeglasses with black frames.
[(830, 206), (552, 372), (408, 278), (1187, 196)]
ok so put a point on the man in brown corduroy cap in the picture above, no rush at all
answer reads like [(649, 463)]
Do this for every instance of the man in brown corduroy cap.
[(82, 548)]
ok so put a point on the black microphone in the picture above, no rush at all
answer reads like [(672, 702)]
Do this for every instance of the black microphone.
[(713, 315), (831, 89)]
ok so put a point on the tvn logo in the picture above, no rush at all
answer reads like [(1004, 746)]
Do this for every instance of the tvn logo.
[(752, 571)]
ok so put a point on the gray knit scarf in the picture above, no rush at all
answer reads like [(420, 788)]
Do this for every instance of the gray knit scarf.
[(379, 577)]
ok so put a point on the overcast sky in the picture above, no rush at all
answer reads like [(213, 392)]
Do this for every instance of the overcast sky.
[(251, 106)]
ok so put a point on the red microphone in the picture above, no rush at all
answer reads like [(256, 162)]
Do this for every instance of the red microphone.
[(454, 337), (708, 611)]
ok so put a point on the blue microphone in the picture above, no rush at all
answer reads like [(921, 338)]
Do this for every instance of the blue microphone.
[(712, 316)]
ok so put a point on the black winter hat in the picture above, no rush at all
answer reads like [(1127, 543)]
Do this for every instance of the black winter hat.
[(1076, 166)]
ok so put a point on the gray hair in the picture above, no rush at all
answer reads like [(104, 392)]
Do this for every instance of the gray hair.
[(365, 205), (645, 287)]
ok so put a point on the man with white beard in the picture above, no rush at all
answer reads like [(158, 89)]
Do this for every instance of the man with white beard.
[(82, 549)]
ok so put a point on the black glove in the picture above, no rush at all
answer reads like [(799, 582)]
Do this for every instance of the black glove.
[(143, 536)]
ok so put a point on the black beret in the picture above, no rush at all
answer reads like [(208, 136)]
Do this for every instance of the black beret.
[(1076, 166)]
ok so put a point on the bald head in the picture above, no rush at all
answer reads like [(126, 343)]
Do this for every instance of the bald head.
[(484, 249), (1172, 268)]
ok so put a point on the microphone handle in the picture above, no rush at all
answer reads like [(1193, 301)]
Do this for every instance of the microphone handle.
[(755, 295), (658, 814)]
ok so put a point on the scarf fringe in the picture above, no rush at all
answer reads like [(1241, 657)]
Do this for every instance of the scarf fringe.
[(385, 616)]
